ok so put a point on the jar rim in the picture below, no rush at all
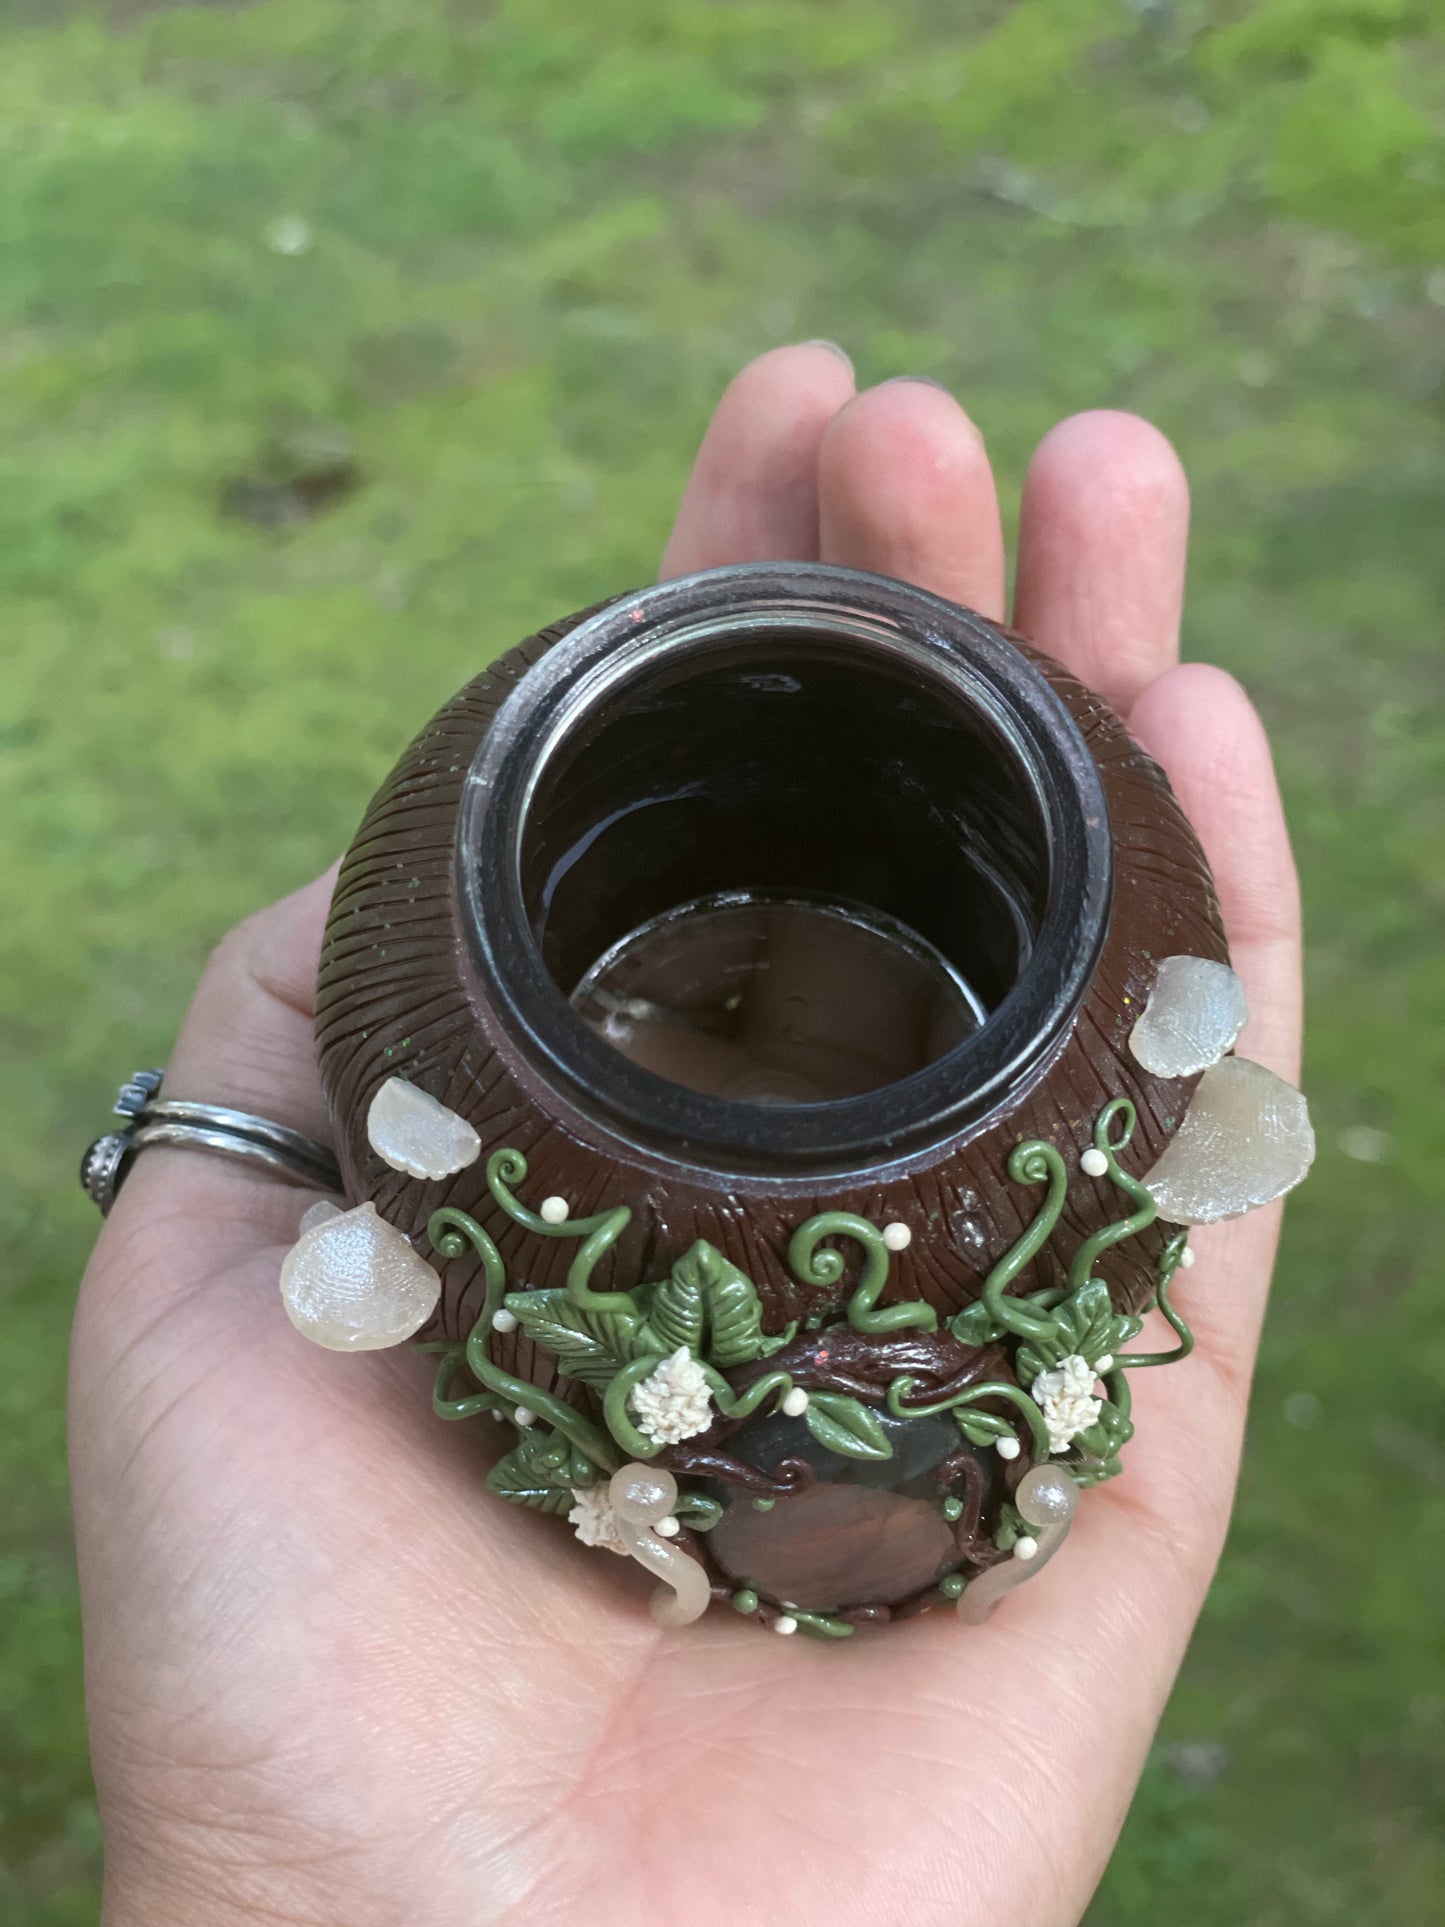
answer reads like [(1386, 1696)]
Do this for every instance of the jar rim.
[(950, 647)]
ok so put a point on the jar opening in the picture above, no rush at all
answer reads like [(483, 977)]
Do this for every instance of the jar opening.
[(784, 863), (784, 868)]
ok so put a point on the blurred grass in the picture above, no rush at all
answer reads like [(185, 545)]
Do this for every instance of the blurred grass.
[(496, 262)]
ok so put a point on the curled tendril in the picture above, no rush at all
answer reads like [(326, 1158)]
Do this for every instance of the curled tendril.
[(697, 1512), (814, 1264), (1168, 1266), (614, 1406), (1015, 1395), (450, 1232), (740, 1405), (1145, 1210), (1033, 1162), (507, 1168)]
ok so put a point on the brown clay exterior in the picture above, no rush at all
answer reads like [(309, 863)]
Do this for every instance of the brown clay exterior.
[(395, 1000)]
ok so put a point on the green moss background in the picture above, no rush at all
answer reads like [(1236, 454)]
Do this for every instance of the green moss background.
[(343, 341)]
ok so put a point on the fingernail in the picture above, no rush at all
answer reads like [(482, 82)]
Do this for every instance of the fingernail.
[(833, 349), (919, 381)]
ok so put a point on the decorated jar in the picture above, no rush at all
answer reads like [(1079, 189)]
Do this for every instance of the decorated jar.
[(778, 1031)]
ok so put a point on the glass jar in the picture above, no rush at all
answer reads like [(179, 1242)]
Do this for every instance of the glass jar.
[(748, 900)]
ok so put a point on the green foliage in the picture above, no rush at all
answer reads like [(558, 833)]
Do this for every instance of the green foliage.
[(467, 240), (1102, 1443), (976, 1325), (676, 1308), (982, 1428), (734, 1317), (1086, 1324), (712, 1307), (590, 1346), (847, 1426), (541, 1471)]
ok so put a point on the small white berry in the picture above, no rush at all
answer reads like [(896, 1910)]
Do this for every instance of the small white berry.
[(505, 1321), (668, 1528), (796, 1403), (1186, 1256), (897, 1237), (1025, 1548), (1094, 1164), (1007, 1447), (521, 1416), (785, 1623), (554, 1211), (1105, 1364)]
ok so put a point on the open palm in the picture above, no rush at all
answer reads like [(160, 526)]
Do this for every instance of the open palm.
[(331, 1680)]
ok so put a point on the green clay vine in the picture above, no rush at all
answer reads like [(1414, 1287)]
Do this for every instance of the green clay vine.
[(814, 1264), (611, 1342)]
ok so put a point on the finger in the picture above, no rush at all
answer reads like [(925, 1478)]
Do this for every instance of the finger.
[(753, 492), (1201, 726), (1103, 530), (905, 489), (247, 1038), (246, 1043)]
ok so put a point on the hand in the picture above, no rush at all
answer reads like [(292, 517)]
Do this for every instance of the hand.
[(331, 1680)]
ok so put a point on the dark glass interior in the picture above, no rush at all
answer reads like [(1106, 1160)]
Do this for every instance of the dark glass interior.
[(861, 826), (767, 999)]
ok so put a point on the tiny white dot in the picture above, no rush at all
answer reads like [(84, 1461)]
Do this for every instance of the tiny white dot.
[(554, 1210), (1186, 1257), (785, 1623), (1007, 1447), (796, 1403), (1025, 1548), (897, 1237), (1105, 1364), (521, 1416), (505, 1321), (1094, 1164), (668, 1527)]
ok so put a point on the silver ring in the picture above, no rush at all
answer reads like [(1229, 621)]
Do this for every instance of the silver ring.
[(184, 1125)]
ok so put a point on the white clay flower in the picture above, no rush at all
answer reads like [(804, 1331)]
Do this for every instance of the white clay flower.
[(593, 1519), (1066, 1398), (673, 1403)]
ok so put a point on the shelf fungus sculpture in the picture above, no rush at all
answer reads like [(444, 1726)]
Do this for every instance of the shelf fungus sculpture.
[(779, 1031)]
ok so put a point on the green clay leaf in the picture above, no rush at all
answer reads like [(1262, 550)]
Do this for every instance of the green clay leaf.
[(1106, 1437), (526, 1478), (845, 1425), (677, 1305), (589, 1346), (1084, 1323), (734, 1315), (548, 1458), (981, 1428), (1030, 1360), (975, 1326)]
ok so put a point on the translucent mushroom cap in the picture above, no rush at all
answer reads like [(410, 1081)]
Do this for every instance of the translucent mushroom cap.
[(352, 1283), (1245, 1140), (1195, 1011), (416, 1133)]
